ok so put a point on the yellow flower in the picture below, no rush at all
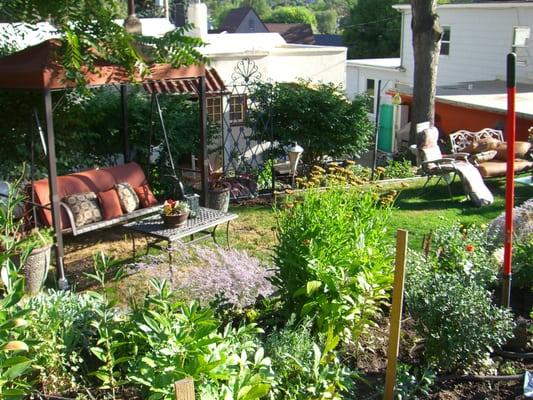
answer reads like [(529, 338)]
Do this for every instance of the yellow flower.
[(350, 162)]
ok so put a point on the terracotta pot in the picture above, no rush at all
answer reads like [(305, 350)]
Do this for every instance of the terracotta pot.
[(175, 221)]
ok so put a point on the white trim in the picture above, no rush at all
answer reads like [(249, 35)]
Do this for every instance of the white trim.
[(506, 5)]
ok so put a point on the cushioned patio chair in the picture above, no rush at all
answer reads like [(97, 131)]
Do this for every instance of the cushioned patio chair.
[(434, 165)]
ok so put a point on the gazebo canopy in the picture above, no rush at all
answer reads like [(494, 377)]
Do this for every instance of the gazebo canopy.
[(38, 67)]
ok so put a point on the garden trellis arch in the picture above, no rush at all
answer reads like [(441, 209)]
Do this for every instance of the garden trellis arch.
[(246, 143), (38, 68)]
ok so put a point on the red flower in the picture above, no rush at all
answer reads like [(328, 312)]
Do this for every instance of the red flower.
[(469, 248)]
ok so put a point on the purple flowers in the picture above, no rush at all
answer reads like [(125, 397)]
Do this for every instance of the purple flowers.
[(233, 275)]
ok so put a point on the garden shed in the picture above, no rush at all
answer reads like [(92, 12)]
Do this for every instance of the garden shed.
[(38, 68)]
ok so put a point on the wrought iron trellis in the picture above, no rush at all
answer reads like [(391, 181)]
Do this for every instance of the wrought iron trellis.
[(246, 142)]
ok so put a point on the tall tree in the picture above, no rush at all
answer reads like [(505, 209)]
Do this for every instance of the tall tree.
[(427, 35), (373, 30), (326, 21), (292, 14), (261, 7)]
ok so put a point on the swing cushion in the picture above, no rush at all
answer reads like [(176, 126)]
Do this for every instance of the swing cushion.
[(110, 204), (145, 195), (94, 180)]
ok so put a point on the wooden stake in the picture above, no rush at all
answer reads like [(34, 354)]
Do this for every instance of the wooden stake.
[(396, 314), (184, 389)]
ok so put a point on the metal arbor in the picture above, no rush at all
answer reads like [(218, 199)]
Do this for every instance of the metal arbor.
[(246, 134)]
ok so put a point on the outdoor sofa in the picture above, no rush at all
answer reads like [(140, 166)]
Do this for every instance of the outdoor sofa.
[(98, 181), (488, 151)]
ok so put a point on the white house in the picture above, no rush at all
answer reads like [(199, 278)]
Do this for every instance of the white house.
[(472, 64)]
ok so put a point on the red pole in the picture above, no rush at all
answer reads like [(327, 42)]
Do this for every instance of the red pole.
[(509, 193)]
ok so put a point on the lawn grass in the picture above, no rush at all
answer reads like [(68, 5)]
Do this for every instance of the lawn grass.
[(419, 213), (416, 211)]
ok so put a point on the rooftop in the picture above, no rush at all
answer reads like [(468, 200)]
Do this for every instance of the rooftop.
[(485, 95), (392, 63)]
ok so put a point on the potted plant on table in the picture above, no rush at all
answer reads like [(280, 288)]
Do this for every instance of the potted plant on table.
[(175, 213), (219, 193)]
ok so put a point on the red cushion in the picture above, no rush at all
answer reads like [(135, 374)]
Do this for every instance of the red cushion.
[(146, 197), (110, 204), (95, 180)]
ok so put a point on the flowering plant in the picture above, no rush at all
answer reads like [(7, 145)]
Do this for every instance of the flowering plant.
[(174, 207)]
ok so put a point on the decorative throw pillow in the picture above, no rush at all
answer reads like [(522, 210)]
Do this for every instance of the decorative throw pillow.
[(110, 204), (145, 195), (487, 144), (480, 157), (128, 198), (84, 207), (521, 149)]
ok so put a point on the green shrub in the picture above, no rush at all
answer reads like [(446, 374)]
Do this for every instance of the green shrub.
[(333, 261), (302, 369), (324, 123), (457, 320), (522, 263), (398, 169), (463, 250)]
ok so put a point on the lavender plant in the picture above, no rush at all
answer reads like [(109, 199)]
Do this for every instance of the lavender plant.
[(232, 276)]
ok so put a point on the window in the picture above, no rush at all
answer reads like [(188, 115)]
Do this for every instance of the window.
[(445, 42), (237, 106), (371, 93), (520, 44), (214, 110)]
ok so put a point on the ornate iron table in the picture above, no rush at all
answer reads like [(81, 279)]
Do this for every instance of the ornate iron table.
[(154, 227)]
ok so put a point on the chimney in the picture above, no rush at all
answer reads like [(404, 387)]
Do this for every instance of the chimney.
[(197, 15), (179, 13)]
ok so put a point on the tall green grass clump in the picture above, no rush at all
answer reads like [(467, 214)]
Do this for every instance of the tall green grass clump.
[(334, 263)]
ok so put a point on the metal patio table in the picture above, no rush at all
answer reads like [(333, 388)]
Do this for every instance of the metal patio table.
[(205, 220)]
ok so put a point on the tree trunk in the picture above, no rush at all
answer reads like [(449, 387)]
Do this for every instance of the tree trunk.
[(427, 34)]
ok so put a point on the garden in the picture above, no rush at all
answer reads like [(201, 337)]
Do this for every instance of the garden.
[(297, 310), (299, 307)]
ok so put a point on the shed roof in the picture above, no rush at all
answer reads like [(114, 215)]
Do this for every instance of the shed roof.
[(38, 67)]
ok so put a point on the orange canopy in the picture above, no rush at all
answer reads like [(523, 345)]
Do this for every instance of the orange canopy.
[(37, 67)]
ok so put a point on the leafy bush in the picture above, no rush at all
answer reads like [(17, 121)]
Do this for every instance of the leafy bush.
[(522, 264), (413, 382), (457, 320), (324, 123), (398, 169), (302, 369), (61, 327), (463, 250), (333, 260), (88, 131)]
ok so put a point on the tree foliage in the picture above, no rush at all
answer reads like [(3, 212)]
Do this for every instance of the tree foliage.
[(373, 30), (292, 14), (88, 29), (326, 21), (318, 117)]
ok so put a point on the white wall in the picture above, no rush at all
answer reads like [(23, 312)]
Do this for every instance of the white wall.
[(481, 37), (357, 75)]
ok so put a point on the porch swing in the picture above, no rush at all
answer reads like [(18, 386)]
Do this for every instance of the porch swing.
[(37, 68)]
